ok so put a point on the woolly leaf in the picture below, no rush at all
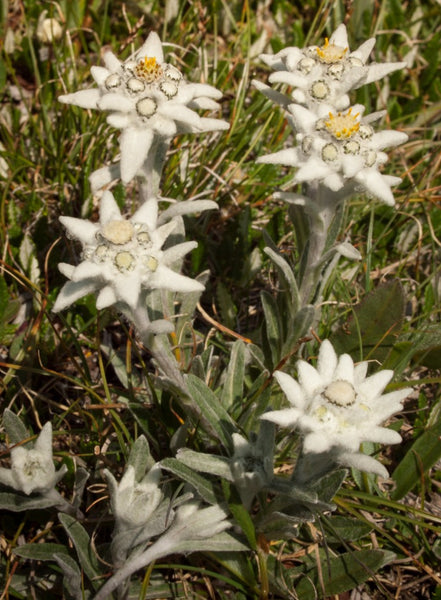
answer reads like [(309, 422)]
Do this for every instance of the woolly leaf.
[(233, 385), (215, 417), (81, 541)]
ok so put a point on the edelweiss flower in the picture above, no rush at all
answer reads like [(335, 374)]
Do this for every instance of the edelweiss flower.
[(336, 408), (122, 256), (147, 97), (32, 469), (324, 73), (339, 148), (252, 463), (133, 502)]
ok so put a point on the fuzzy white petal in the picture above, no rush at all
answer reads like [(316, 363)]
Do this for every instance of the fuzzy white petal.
[(186, 207), (380, 70), (162, 233), (135, 145), (112, 63), (193, 90), (207, 124), (382, 435), (362, 462), (177, 252), (288, 157), (66, 269), (375, 384), (100, 74), (286, 417), (316, 443), (43, 443), (293, 79), (80, 229), (152, 48), (314, 169), (87, 270), (104, 176), (291, 388), (273, 95), (304, 119), (345, 369), (106, 297), (309, 378), (376, 184), (83, 98), (364, 50), (340, 37), (127, 288), (203, 104), (71, 292), (118, 120), (147, 213), (116, 102), (180, 113), (388, 138), (166, 279), (327, 361), (109, 209)]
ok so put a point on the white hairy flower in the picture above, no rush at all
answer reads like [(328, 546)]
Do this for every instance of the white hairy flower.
[(133, 502), (252, 463), (147, 97), (32, 469), (324, 73), (123, 256), (336, 407), (49, 30), (340, 148)]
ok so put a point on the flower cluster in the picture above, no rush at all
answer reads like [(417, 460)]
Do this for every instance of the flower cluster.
[(336, 145), (336, 407), (147, 98), (121, 257)]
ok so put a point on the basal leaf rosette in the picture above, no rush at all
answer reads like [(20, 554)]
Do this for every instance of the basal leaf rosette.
[(324, 73), (122, 257), (340, 149), (336, 407), (147, 97)]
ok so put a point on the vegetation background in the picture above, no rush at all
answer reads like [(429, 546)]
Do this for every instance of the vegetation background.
[(60, 367)]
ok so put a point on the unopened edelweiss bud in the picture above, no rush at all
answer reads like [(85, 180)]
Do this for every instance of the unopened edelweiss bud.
[(48, 30), (32, 469), (134, 502)]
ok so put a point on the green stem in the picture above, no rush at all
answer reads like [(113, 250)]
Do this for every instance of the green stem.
[(263, 572)]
